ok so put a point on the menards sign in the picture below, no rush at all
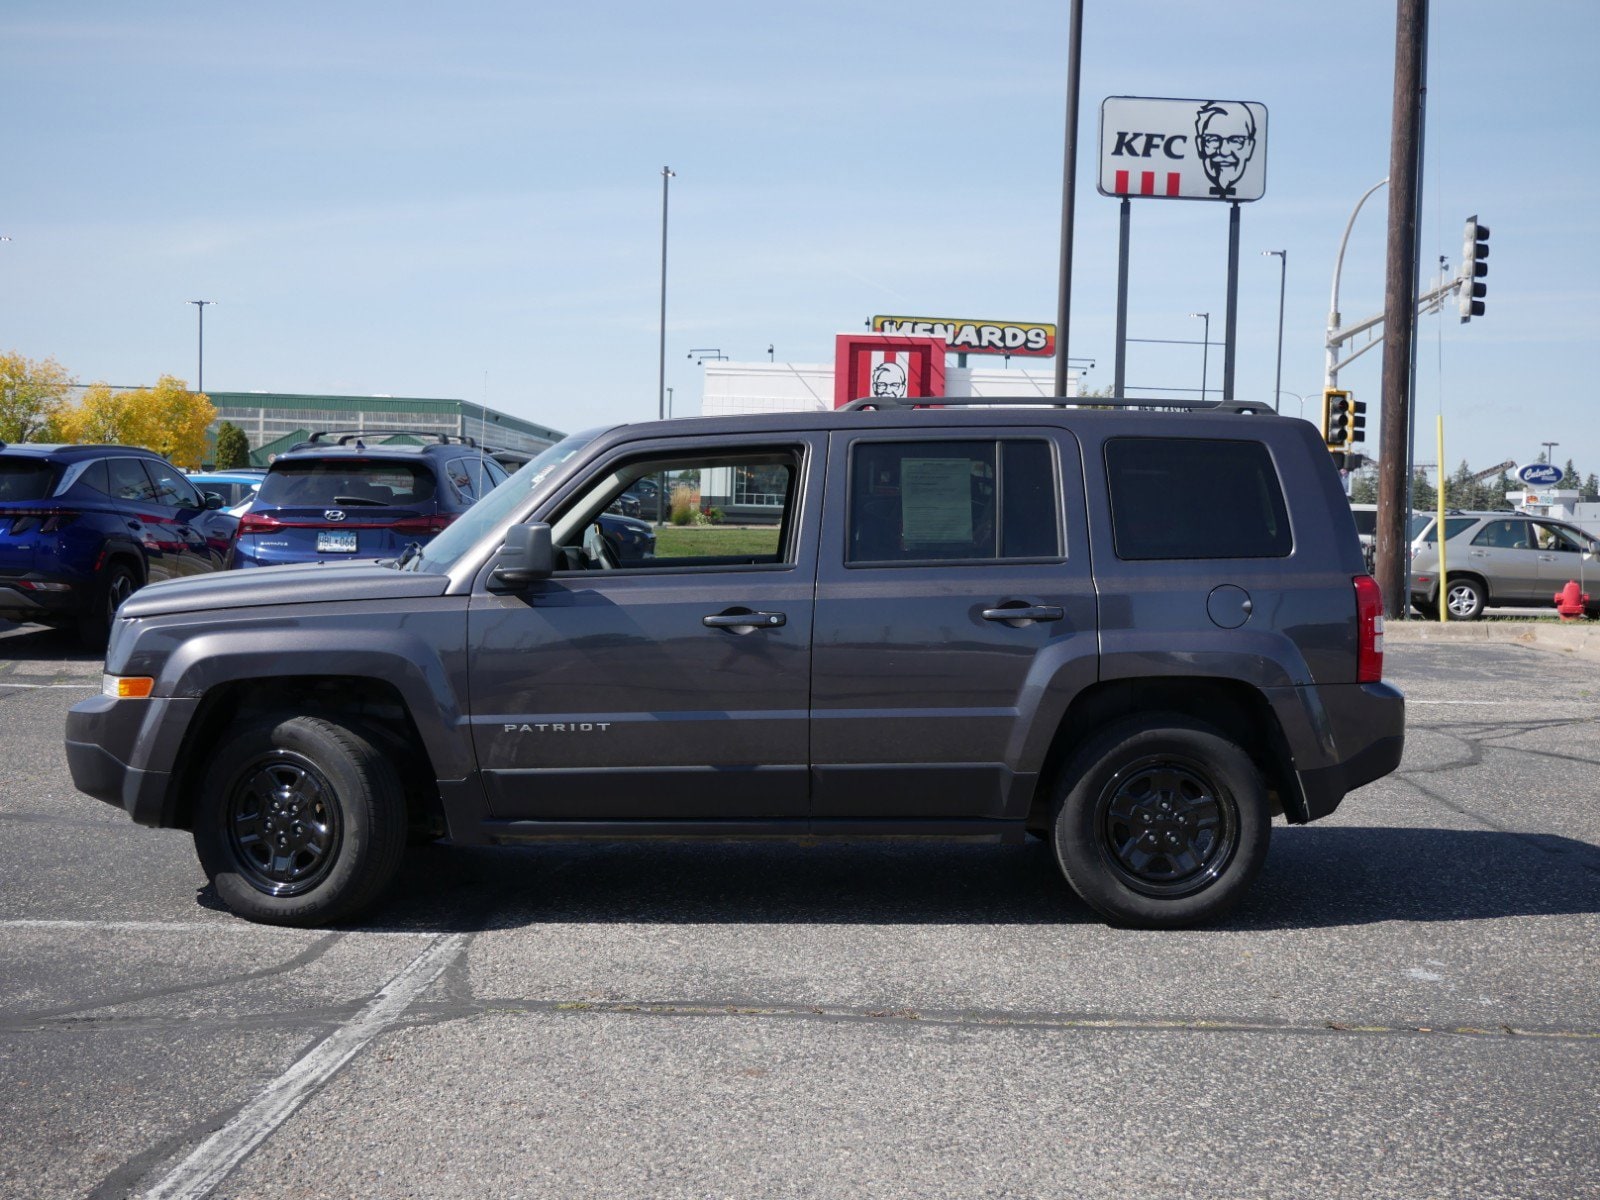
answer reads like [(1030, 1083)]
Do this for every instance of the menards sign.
[(1027, 338)]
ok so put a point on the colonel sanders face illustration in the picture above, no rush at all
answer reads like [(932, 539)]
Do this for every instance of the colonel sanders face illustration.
[(889, 381), (1226, 137)]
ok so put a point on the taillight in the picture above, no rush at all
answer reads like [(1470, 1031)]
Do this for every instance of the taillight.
[(424, 526), (1369, 617), (47, 520), (254, 522)]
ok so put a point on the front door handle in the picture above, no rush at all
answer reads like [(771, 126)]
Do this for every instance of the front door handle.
[(1021, 613), (743, 620)]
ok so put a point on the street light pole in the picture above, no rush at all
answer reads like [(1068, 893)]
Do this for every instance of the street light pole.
[(1331, 373), (1549, 446), (1283, 276), (1205, 353), (667, 173), (200, 365)]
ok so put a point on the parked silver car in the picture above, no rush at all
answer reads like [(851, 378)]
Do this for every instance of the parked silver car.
[(1495, 559)]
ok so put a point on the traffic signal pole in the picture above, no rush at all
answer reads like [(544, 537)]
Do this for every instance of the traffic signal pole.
[(1399, 307)]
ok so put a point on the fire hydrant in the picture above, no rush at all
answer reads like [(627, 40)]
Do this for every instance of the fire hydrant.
[(1570, 602)]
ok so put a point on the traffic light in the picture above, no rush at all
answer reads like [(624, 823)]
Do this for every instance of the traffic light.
[(1358, 421), (1474, 266), (1335, 418)]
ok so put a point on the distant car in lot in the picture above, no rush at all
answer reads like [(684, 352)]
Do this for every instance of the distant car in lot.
[(82, 527), (1495, 559), (337, 497), (237, 488)]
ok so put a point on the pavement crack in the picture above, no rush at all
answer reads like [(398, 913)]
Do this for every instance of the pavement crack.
[(423, 1015), (307, 956)]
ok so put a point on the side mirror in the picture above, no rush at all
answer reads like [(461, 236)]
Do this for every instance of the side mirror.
[(214, 501), (526, 556)]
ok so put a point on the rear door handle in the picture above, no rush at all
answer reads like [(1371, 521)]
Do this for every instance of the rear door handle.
[(1025, 612), (744, 620)]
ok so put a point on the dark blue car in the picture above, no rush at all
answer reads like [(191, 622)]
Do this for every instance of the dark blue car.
[(354, 496), (81, 527)]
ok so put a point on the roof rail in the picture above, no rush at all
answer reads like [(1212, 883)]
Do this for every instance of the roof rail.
[(346, 437), (887, 404)]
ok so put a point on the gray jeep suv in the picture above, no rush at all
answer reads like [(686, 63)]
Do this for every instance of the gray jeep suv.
[(1139, 634)]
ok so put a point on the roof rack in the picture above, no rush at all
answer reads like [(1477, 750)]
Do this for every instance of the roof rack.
[(888, 404), (360, 435)]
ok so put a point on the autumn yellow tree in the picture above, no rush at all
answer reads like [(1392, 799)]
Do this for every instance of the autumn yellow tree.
[(167, 418), (30, 395)]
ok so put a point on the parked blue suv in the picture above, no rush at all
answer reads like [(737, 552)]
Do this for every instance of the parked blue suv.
[(338, 497), (81, 527)]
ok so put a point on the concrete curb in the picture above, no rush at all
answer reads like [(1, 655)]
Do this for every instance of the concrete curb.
[(1579, 638)]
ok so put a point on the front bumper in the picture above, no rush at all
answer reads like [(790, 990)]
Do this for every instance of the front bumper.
[(126, 753)]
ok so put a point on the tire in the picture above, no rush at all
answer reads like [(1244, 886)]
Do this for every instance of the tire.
[(1200, 802), (1465, 599), (1427, 609), (116, 583), (337, 850)]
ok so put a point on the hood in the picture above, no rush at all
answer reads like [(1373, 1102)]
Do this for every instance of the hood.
[(301, 583)]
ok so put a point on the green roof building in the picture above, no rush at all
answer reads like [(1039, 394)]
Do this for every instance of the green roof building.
[(274, 421)]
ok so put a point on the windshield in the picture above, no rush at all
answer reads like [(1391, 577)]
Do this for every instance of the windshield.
[(443, 551)]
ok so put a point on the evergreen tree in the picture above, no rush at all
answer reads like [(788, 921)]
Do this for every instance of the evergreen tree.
[(233, 448)]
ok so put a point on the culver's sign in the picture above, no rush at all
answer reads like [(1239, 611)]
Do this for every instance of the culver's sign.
[(1183, 149), (1541, 474)]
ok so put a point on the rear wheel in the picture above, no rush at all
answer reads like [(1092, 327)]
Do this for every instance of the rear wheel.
[(1465, 599), (116, 583), (1161, 822), (300, 821)]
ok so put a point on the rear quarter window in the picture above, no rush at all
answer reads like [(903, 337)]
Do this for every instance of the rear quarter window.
[(1195, 498)]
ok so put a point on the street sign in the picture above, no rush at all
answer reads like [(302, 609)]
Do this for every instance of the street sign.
[(1541, 474), (1183, 149)]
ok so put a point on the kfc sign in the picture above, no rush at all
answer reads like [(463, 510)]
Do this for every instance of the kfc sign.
[(1183, 149), (1027, 339)]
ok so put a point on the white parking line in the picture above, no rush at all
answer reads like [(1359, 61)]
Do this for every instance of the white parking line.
[(220, 1153)]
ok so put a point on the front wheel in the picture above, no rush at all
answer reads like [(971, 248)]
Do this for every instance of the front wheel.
[(299, 821), (1161, 822)]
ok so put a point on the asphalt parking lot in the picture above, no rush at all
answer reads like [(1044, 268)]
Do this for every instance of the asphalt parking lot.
[(1408, 1005)]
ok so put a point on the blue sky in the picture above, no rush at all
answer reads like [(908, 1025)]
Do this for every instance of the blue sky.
[(465, 200)]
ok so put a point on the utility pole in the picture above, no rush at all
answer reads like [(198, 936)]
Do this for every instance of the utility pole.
[(1399, 306), (200, 364)]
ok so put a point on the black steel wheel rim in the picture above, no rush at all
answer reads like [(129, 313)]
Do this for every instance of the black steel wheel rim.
[(1166, 826), (283, 824)]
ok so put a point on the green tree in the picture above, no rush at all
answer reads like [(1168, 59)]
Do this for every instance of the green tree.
[(1364, 487), (1423, 496), (31, 393), (233, 448), (1570, 478), (1591, 487)]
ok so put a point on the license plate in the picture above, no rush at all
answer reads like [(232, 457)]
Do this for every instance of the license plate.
[(336, 543)]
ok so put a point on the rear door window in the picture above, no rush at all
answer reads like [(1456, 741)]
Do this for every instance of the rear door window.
[(325, 483), (26, 479), (128, 480), (1195, 498), (952, 501)]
